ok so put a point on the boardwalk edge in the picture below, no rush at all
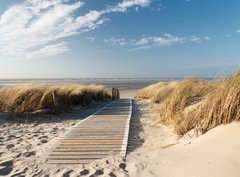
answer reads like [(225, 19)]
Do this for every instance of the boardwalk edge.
[(126, 133)]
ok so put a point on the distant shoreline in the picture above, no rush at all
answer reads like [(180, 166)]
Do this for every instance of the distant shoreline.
[(120, 83)]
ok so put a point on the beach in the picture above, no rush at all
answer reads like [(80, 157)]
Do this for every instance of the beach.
[(123, 88), (25, 139), (156, 149)]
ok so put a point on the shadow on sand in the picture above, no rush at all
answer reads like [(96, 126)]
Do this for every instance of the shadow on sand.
[(134, 140)]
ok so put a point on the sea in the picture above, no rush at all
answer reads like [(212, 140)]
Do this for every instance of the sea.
[(119, 83)]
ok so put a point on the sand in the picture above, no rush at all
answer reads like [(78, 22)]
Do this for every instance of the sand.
[(23, 140), (215, 153), (153, 150)]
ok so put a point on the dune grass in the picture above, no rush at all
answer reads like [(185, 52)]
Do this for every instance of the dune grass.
[(157, 92), (186, 93), (222, 106), (186, 104), (29, 98)]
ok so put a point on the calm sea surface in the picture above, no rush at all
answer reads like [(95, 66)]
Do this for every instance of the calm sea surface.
[(120, 83)]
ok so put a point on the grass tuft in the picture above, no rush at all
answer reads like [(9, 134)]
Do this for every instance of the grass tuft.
[(29, 98), (178, 101), (222, 106)]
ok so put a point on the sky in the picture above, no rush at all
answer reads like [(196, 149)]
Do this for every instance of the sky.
[(119, 38)]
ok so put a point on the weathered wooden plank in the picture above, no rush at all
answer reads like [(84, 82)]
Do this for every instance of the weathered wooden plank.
[(95, 137), (69, 162), (90, 143), (90, 153), (70, 153), (87, 146), (77, 157)]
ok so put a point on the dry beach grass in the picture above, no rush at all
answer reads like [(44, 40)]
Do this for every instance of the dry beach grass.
[(30, 98), (196, 104)]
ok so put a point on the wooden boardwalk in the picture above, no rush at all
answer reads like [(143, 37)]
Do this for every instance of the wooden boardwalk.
[(101, 134)]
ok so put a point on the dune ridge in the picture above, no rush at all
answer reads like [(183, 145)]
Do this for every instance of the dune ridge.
[(195, 104)]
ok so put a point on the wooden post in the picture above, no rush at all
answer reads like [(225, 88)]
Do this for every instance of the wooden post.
[(115, 94)]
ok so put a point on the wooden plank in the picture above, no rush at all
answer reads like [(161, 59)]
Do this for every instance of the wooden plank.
[(79, 157), (94, 138), (70, 153), (87, 146), (69, 162), (90, 143), (97, 136)]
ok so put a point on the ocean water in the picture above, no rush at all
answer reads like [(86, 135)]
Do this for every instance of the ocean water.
[(120, 83)]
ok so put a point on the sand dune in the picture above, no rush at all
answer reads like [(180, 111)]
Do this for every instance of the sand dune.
[(215, 153)]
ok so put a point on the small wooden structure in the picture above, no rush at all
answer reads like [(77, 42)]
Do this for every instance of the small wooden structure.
[(115, 94)]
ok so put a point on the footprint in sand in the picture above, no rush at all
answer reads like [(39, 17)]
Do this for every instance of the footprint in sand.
[(9, 146), (11, 136), (98, 172), (43, 141), (8, 162), (84, 172), (122, 166), (67, 174), (29, 154), (43, 137), (5, 170), (55, 128), (112, 174)]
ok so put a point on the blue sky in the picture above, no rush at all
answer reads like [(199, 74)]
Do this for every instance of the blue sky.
[(118, 38)]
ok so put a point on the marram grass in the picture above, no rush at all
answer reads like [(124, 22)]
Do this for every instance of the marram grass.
[(196, 104), (30, 98)]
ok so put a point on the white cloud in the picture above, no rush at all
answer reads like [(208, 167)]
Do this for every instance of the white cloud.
[(196, 39), (146, 41), (48, 50), (35, 24), (143, 41), (167, 39), (123, 6), (116, 42), (199, 39)]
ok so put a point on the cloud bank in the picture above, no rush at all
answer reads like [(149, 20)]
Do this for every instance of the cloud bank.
[(38, 28)]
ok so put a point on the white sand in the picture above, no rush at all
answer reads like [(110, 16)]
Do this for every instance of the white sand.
[(216, 153), (23, 141)]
